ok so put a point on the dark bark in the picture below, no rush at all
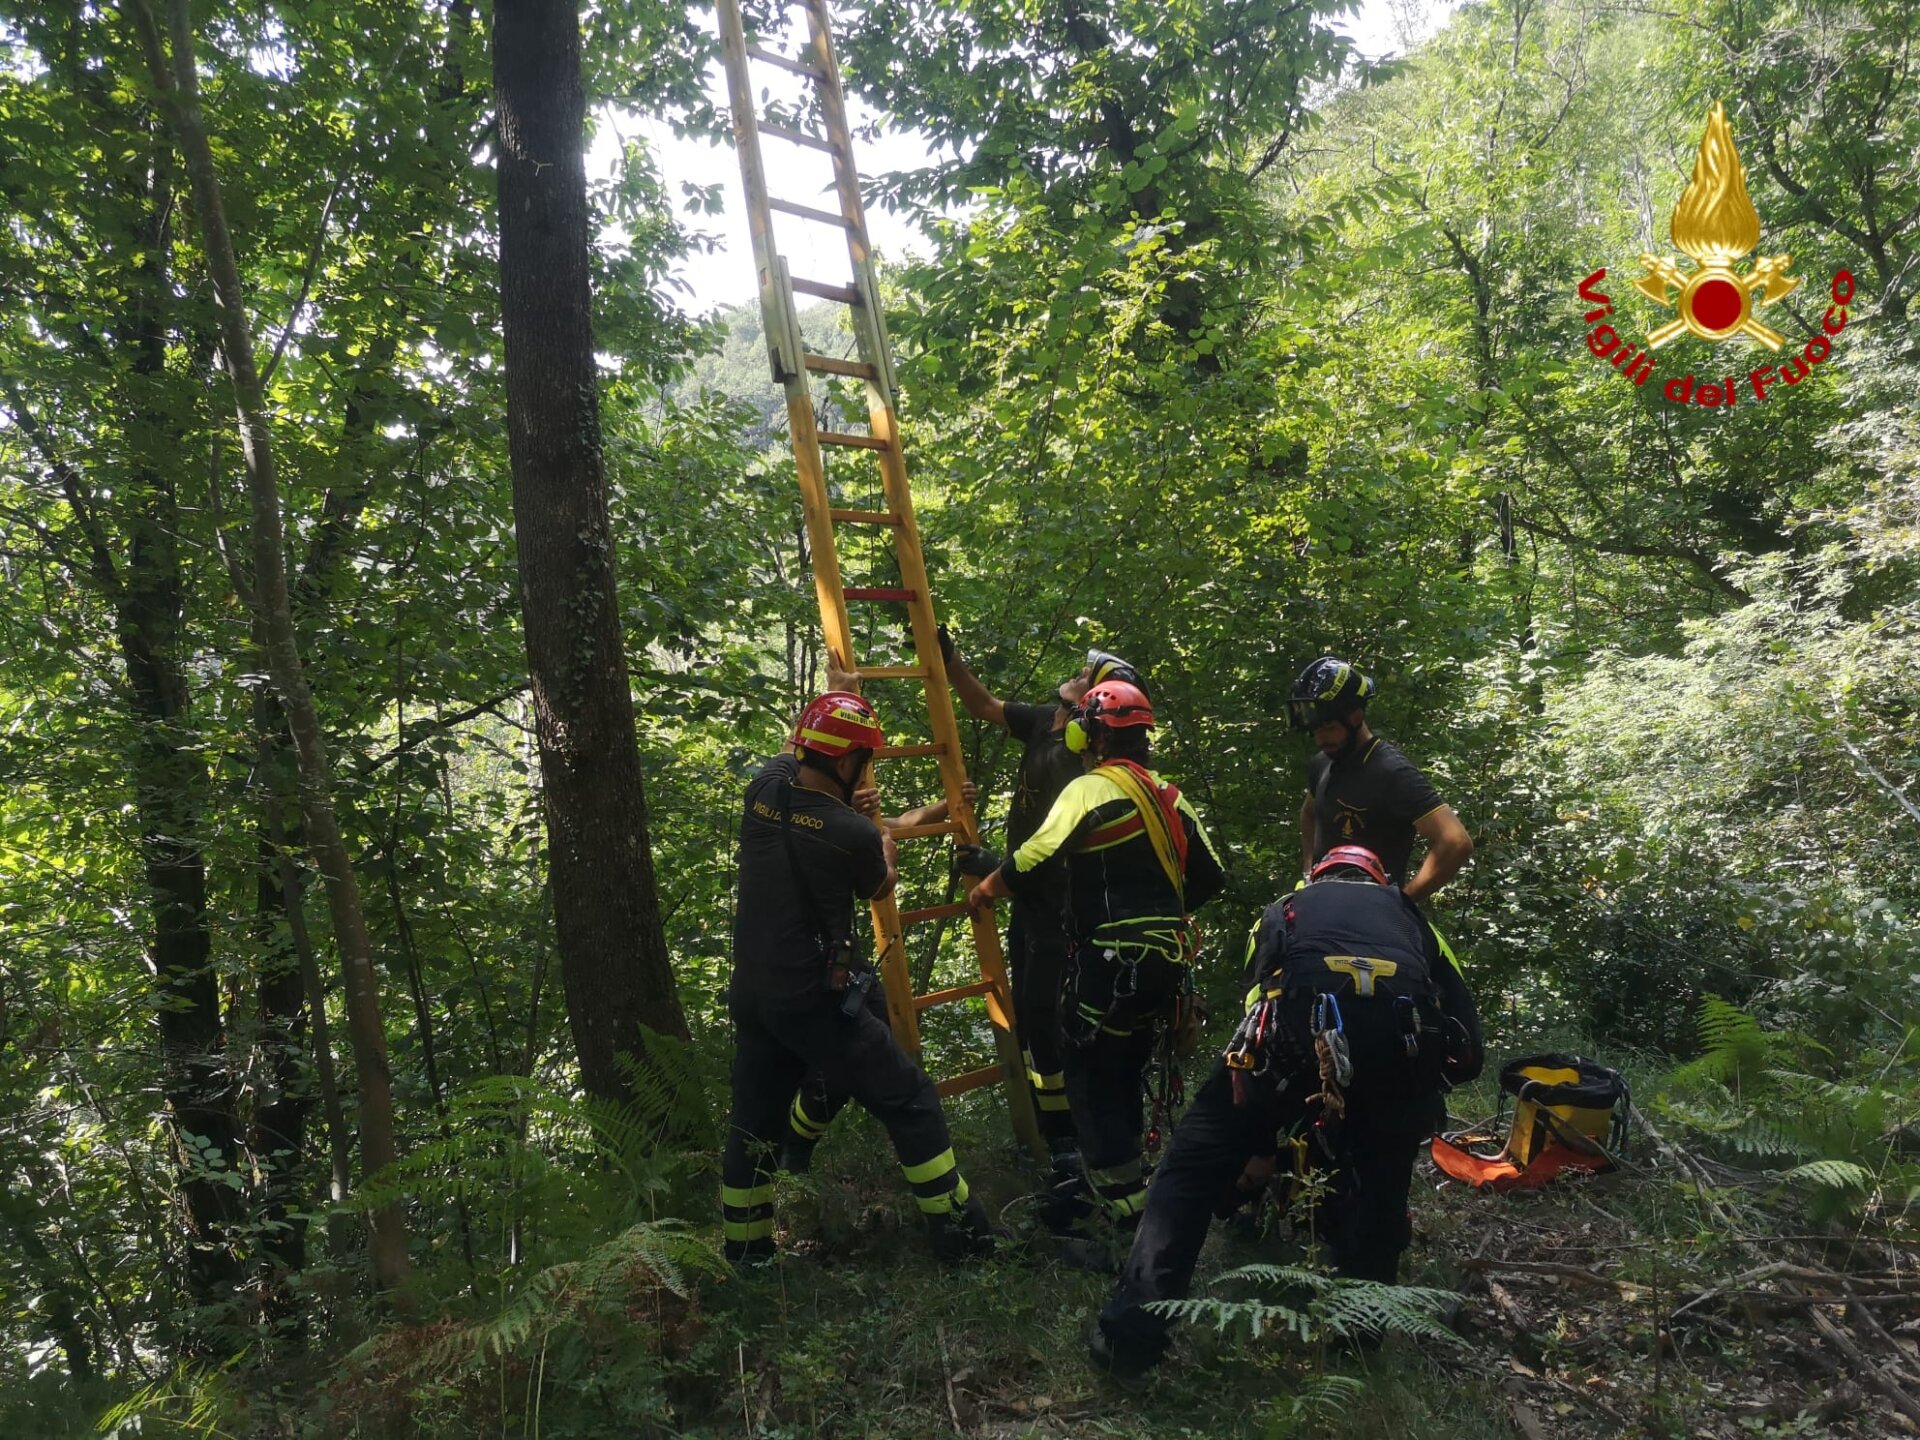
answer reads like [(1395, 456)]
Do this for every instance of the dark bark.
[(279, 1139), (176, 79), (172, 787), (612, 946)]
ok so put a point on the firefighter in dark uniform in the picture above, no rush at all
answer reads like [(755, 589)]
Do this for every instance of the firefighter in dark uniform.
[(1357, 1022), (1137, 862), (1037, 927), (1362, 791), (800, 999)]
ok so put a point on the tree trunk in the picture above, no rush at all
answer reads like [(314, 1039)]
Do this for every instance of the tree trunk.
[(171, 793), (179, 91), (612, 946)]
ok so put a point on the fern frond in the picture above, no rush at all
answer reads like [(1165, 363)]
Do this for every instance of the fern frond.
[(1834, 1175), (1259, 1316), (1360, 1307)]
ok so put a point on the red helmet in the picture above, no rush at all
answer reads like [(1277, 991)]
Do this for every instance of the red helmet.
[(1115, 704), (837, 723), (1351, 857)]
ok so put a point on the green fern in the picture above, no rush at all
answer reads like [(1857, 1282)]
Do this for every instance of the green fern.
[(1333, 1307), (1318, 1400), (654, 1256), (1753, 1101), (1840, 1175)]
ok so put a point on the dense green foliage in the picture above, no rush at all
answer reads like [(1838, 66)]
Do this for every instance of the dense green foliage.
[(1240, 351)]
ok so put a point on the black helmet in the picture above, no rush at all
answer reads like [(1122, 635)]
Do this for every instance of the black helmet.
[(1328, 689), (1103, 665)]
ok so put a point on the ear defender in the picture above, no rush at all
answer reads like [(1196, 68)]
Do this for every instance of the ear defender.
[(1076, 736)]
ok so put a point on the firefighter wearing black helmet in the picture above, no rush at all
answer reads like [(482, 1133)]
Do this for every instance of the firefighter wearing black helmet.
[(1037, 925), (1137, 862), (1362, 791), (1357, 1021)]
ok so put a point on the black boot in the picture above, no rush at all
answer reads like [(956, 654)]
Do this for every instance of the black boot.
[(964, 1234), (796, 1154), (1068, 1202)]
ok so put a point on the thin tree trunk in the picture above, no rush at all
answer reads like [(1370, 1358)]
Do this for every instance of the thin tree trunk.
[(613, 956), (179, 91), (340, 1165)]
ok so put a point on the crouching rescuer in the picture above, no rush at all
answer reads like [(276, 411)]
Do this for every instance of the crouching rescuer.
[(802, 999), (1357, 1022), (1137, 862)]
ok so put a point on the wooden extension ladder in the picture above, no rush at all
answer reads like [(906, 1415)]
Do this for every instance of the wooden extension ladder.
[(792, 364)]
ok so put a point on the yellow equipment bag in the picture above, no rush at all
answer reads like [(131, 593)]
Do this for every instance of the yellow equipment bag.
[(1568, 1114)]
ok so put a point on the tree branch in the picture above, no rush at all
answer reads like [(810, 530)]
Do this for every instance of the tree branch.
[(418, 734), (1681, 553), (99, 552)]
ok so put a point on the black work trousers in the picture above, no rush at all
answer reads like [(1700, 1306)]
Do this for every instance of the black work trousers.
[(1036, 965), (778, 1041), (1111, 1014), (1391, 1109)]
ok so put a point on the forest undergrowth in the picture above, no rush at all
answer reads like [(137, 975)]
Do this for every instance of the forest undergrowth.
[(1678, 1295)]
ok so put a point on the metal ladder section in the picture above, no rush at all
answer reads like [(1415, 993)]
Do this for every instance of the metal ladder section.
[(792, 364)]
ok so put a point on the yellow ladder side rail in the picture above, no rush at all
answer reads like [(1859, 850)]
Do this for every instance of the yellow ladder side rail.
[(789, 359)]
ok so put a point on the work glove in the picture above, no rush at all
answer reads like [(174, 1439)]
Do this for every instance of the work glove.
[(976, 861), (949, 652)]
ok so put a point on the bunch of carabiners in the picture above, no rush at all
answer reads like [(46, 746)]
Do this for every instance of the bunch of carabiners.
[(1249, 1052)]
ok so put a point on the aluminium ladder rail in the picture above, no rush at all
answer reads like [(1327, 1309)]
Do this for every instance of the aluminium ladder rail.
[(792, 364)]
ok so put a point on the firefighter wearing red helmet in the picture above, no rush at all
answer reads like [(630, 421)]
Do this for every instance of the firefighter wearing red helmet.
[(1357, 1021), (801, 999), (1037, 923), (1137, 862)]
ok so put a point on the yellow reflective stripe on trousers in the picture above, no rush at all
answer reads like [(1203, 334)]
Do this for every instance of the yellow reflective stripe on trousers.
[(1055, 1081), (746, 1229), (1127, 1206), (1127, 1174), (1052, 1101), (804, 1125), (746, 1199), (930, 1169), (946, 1202)]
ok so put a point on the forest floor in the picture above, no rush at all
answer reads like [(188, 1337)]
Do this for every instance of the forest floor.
[(1671, 1298), (1623, 1305)]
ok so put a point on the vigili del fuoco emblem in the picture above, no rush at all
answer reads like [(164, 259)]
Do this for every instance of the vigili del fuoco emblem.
[(1716, 224)]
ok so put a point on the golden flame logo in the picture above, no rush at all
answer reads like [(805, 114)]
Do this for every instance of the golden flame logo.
[(1716, 224)]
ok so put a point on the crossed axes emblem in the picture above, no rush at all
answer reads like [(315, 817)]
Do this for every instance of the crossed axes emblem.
[(1716, 302)]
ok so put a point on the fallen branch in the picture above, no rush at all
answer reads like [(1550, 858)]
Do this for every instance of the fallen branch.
[(1540, 1267), (1875, 1376), (946, 1374), (1684, 1163)]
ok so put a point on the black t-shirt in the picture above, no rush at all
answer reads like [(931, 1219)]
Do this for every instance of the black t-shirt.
[(1374, 797), (838, 855), (1046, 767)]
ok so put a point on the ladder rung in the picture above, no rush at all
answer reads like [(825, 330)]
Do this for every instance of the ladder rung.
[(784, 62), (947, 997), (879, 592), (833, 365), (858, 442), (865, 517), (893, 672), (798, 137), (921, 832), (809, 212), (906, 752), (933, 912), (821, 290), (972, 1080)]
